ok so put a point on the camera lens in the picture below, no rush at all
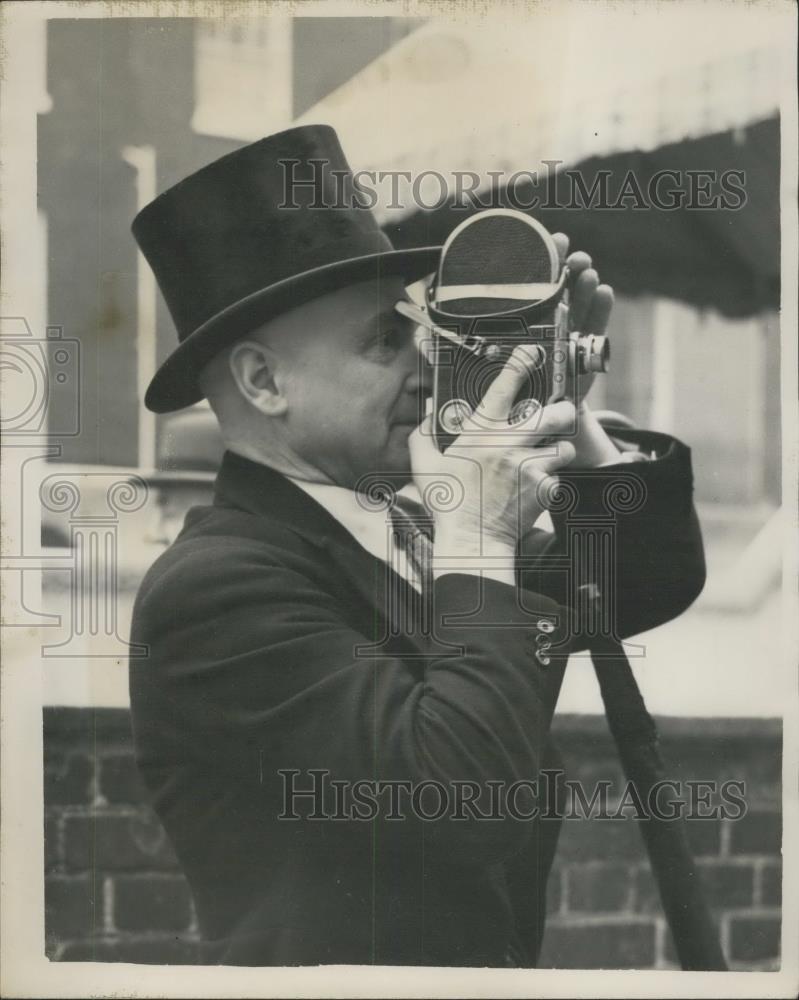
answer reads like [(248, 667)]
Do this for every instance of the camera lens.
[(453, 415), (523, 411)]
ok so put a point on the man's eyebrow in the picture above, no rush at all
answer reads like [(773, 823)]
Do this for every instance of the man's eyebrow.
[(383, 317)]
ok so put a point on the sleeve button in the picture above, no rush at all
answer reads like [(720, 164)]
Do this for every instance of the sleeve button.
[(545, 625)]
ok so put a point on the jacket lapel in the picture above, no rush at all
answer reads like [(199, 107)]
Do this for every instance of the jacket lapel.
[(257, 489)]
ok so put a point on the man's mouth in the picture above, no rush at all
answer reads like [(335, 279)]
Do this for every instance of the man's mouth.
[(411, 417)]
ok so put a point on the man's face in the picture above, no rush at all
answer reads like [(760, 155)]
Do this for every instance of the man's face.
[(353, 381)]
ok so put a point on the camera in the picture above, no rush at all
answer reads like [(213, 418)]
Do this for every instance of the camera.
[(500, 283)]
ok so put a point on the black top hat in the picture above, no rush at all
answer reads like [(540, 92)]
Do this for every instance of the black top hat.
[(247, 237)]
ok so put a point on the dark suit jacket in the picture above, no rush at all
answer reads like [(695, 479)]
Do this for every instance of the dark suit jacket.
[(273, 646)]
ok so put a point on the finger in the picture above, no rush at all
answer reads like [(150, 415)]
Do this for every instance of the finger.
[(556, 458), (566, 452), (424, 344), (596, 321), (551, 421), (525, 413), (561, 241), (578, 262), (498, 399), (422, 446), (557, 418), (582, 297)]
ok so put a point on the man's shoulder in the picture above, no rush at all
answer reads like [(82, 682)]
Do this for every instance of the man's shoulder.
[(225, 527), (219, 545)]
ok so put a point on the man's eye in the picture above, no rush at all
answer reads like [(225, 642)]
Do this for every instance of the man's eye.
[(389, 338)]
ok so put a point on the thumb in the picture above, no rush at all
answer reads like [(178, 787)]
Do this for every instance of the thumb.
[(422, 446), (563, 454)]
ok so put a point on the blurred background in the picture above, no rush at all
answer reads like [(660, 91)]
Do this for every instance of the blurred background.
[(128, 106)]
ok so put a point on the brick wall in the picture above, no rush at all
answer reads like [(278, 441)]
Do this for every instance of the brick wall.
[(114, 892), (603, 902)]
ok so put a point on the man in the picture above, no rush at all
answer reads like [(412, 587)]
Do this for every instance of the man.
[(294, 719)]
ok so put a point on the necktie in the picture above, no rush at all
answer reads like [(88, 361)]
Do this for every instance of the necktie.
[(413, 530)]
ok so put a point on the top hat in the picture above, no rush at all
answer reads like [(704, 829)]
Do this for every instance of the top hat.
[(254, 234)]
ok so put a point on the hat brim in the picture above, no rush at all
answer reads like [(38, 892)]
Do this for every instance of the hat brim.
[(174, 386)]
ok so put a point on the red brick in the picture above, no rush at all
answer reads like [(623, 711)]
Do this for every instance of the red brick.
[(73, 907), (161, 950), (758, 832), (68, 780), (669, 951), (608, 839), (113, 842), (728, 885), (756, 763), (151, 903), (754, 939), (592, 769), (704, 836), (725, 886), (598, 945), (598, 887), (646, 898), (120, 781), (771, 884)]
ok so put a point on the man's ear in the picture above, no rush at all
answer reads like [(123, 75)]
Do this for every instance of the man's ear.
[(253, 366)]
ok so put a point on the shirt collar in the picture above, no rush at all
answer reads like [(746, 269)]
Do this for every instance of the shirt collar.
[(368, 523)]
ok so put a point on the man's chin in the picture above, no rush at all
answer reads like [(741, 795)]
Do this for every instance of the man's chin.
[(394, 463), (400, 470)]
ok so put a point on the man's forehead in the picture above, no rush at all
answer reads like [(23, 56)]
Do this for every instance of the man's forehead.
[(350, 309), (352, 306), (378, 294)]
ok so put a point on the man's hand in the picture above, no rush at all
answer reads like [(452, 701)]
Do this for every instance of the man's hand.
[(502, 479), (590, 306)]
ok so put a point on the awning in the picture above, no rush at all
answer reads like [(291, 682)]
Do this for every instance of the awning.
[(727, 259), (642, 87), (561, 82)]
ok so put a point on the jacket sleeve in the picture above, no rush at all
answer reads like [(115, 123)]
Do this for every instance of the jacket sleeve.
[(653, 567), (254, 663)]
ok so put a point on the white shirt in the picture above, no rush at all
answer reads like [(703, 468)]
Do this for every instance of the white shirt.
[(369, 525), (372, 530)]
